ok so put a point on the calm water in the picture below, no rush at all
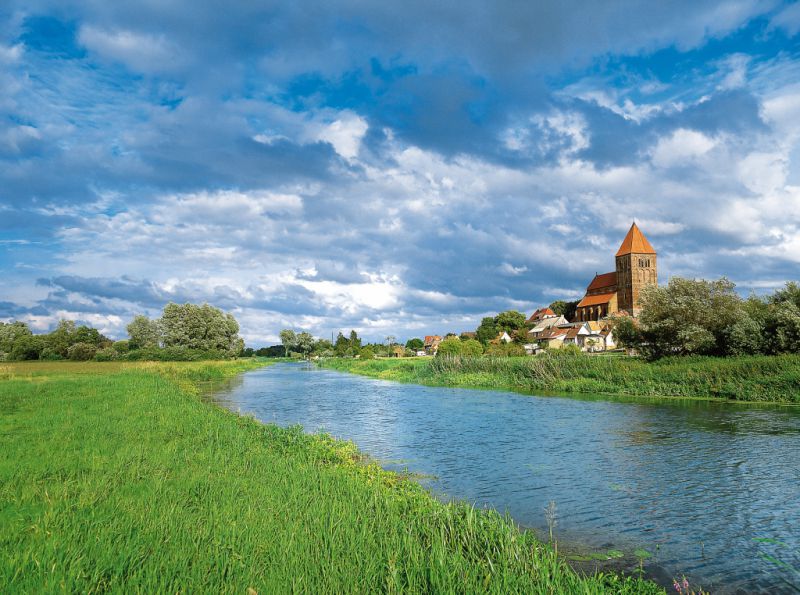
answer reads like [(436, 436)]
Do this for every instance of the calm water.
[(712, 491)]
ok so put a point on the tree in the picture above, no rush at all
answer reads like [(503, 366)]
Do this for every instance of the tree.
[(288, 340), (688, 317), (565, 309), (471, 348), (415, 344), (509, 321), (9, 334), (81, 352), (203, 327), (366, 353), (487, 330), (450, 346), (323, 348), (355, 342), (27, 347), (304, 343), (143, 332), (342, 346)]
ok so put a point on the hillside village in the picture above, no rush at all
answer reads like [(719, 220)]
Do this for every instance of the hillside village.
[(608, 296)]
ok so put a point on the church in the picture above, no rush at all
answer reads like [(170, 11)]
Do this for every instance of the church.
[(618, 291)]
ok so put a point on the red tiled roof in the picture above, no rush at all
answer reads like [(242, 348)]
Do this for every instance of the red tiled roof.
[(541, 313), (635, 243), (596, 300), (431, 338), (602, 281), (573, 332)]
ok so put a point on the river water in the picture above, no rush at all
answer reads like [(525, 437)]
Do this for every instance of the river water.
[(706, 490)]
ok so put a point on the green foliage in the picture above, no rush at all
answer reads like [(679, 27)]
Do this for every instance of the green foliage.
[(487, 330), (117, 479), (122, 346), (304, 343), (106, 354), (204, 328), (366, 353), (471, 348), (509, 321), (747, 378), (502, 349), (565, 309), (28, 347), (415, 344), (288, 340), (449, 346), (81, 352), (144, 333), (9, 333)]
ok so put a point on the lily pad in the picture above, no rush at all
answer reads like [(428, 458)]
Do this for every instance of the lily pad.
[(640, 553)]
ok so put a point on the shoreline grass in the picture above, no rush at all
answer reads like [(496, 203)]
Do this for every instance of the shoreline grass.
[(762, 379), (118, 477)]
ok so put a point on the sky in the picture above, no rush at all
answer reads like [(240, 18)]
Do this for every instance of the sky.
[(397, 168)]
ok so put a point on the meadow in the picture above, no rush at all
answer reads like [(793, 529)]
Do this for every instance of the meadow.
[(119, 477), (756, 378)]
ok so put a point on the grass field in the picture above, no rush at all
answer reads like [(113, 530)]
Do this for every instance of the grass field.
[(751, 378), (119, 478)]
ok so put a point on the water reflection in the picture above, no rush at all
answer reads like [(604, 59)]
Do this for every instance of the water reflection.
[(710, 490)]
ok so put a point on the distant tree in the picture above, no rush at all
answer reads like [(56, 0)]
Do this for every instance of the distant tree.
[(509, 321), (304, 343), (27, 347), (323, 348), (355, 342), (688, 317), (450, 346), (342, 346), (565, 309), (366, 353), (248, 352), (81, 352), (487, 330), (502, 349), (626, 333), (62, 338), (288, 340), (272, 351), (143, 332), (9, 333), (415, 344), (200, 327), (782, 328), (471, 348)]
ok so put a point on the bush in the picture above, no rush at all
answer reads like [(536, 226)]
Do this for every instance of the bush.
[(505, 350), (367, 353), (123, 346), (471, 348), (81, 352), (27, 347), (450, 346), (107, 354), (50, 355)]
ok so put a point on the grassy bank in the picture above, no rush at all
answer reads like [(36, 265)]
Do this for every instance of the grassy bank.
[(117, 477), (751, 378)]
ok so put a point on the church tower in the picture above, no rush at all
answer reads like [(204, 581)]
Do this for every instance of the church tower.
[(636, 267)]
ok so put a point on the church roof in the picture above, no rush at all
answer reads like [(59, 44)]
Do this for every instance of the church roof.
[(602, 281), (596, 300), (635, 243)]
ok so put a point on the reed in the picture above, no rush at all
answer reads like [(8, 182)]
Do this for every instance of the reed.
[(748, 378)]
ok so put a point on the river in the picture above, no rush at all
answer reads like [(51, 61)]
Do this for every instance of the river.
[(706, 490)]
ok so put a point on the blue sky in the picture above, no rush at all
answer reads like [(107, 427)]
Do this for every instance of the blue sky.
[(397, 168)]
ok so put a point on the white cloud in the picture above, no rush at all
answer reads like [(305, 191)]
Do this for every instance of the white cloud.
[(141, 52), (681, 147)]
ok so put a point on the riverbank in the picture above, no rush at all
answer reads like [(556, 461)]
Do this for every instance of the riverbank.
[(774, 379), (116, 476)]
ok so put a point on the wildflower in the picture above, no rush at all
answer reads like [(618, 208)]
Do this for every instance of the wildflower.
[(685, 584), (676, 585)]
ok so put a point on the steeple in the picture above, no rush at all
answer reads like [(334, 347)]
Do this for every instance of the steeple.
[(635, 243)]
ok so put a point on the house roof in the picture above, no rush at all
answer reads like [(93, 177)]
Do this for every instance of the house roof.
[(602, 281), (541, 313), (573, 332), (635, 243), (431, 338), (547, 323), (596, 300), (553, 333), (594, 326)]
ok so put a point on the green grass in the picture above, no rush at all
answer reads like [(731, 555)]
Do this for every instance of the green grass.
[(118, 477), (751, 378)]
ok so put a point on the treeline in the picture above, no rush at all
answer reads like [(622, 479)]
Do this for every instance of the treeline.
[(183, 332), (698, 317)]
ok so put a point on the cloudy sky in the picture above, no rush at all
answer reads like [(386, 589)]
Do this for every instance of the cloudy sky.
[(395, 167)]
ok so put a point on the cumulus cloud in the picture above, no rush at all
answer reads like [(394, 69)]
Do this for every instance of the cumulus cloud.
[(337, 166)]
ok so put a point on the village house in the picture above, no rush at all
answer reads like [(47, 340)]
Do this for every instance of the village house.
[(431, 344), (618, 291)]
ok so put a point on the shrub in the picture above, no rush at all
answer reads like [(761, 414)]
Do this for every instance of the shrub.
[(450, 346), (123, 346), (81, 352), (471, 348), (505, 350), (107, 354), (367, 353), (50, 355)]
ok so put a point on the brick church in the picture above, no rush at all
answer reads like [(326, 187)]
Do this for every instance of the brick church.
[(618, 291)]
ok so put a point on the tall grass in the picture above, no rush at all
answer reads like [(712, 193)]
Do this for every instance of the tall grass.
[(115, 478), (750, 378)]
